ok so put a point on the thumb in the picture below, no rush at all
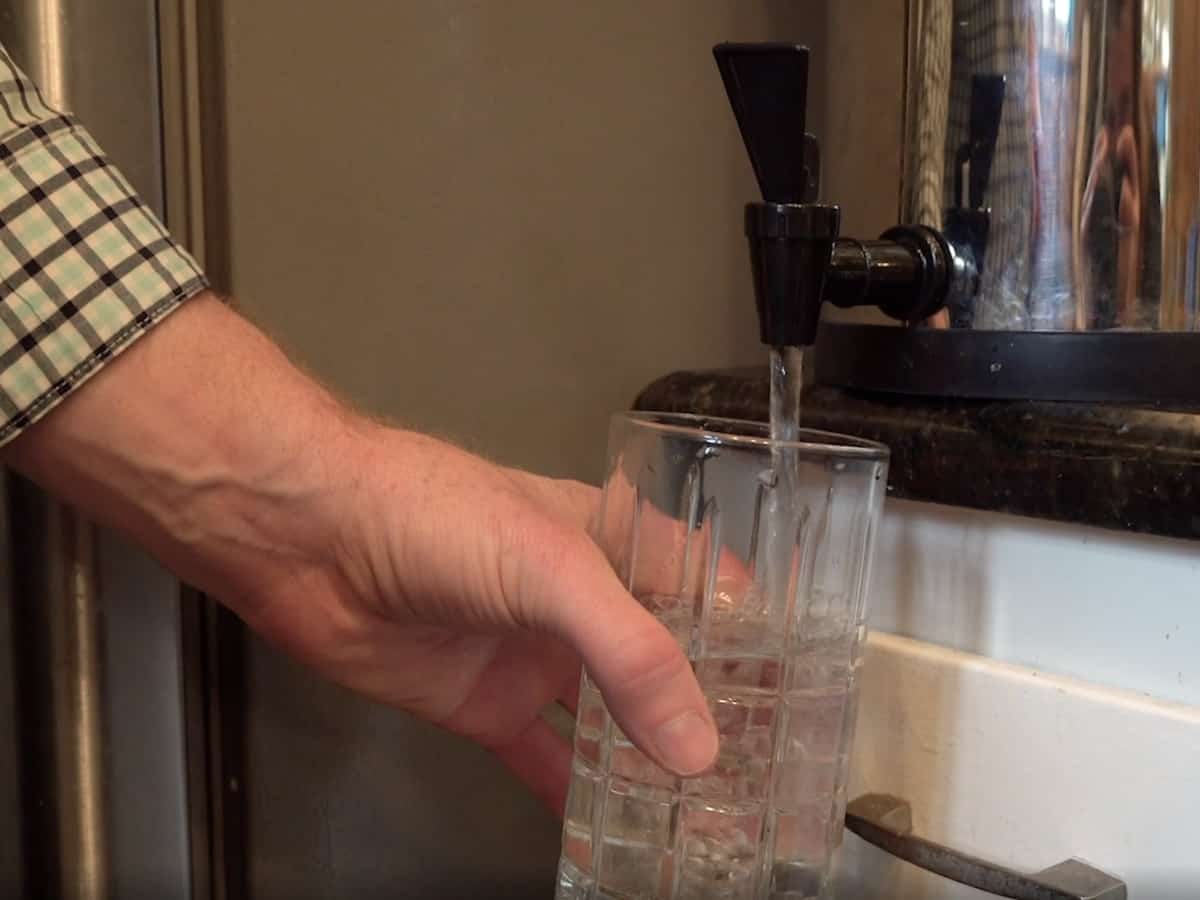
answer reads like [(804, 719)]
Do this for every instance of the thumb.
[(646, 680)]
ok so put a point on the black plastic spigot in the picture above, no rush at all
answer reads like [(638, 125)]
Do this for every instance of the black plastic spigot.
[(791, 245), (797, 258), (791, 236)]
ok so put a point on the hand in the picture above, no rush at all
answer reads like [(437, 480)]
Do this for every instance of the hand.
[(395, 564), (469, 594)]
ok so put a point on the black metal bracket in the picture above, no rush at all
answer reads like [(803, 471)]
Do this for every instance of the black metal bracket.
[(886, 822)]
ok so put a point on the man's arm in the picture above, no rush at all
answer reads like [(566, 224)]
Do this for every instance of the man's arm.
[(400, 566), (397, 565)]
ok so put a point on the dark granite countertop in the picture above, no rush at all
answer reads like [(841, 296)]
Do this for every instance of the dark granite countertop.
[(1109, 466)]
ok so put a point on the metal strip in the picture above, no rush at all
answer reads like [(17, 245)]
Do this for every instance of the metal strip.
[(213, 641), (96, 642), (58, 643), (194, 149)]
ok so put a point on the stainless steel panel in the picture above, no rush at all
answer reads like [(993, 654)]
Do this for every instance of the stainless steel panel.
[(59, 640), (347, 799), (96, 676), (102, 761), (12, 844), (144, 729), (1089, 167), (98, 58)]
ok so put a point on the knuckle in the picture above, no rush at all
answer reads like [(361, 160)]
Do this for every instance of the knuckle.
[(537, 562)]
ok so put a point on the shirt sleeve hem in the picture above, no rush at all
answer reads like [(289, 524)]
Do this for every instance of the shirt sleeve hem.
[(96, 360)]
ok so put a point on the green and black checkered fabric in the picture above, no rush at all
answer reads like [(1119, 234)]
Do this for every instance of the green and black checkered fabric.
[(85, 267)]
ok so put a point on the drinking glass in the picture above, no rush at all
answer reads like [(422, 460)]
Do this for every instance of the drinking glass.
[(755, 554)]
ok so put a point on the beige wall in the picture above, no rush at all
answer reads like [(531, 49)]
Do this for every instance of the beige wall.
[(862, 128), (495, 220)]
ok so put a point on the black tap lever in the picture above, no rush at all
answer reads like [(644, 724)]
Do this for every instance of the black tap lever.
[(767, 86), (791, 236)]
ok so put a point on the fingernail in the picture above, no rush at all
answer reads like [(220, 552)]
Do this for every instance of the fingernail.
[(687, 743)]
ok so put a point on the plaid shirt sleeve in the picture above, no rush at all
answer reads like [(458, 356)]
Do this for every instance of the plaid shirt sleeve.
[(85, 267)]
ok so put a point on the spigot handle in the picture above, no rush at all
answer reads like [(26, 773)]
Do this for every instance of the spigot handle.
[(767, 84)]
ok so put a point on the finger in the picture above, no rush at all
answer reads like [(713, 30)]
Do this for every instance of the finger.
[(663, 541), (646, 680), (673, 557), (541, 758), (1129, 215), (1127, 150), (525, 674), (649, 688), (569, 697)]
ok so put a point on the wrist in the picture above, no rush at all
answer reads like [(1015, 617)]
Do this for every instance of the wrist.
[(267, 506), (205, 444)]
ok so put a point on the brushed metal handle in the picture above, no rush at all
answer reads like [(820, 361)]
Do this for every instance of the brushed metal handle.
[(886, 822)]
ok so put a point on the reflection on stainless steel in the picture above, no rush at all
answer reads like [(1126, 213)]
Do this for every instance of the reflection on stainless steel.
[(56, 622), (47, 27), (1054, 140), (99, 59)]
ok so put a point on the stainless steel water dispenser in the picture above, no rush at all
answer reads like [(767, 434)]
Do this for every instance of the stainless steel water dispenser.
[(1053, 144)]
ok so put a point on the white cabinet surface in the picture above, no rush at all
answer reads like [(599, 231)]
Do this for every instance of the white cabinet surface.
[(1033, 689)]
